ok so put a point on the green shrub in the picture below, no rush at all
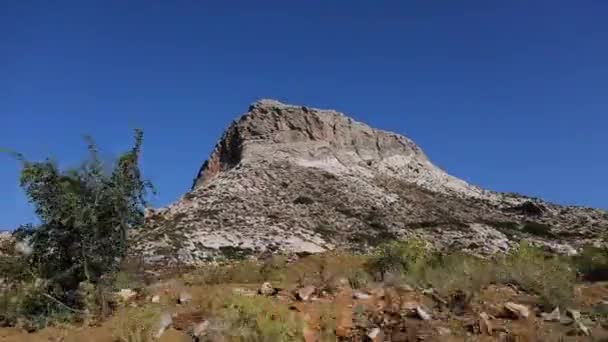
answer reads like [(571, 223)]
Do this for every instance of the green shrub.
[(398, 256), (532, 270), (28, 304), (592, 263), (455, 273), (538, 229)]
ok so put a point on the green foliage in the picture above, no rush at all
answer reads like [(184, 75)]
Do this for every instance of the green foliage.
[(592, 263), (399, 257), (538, 229), (29, 305), (85, 214)]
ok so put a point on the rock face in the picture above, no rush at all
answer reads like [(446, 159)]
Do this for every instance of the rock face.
[(303, 180)]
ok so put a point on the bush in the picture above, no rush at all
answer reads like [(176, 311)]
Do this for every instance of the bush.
[(548, 276), (592, 263), (456, 273), (398, 256), (85, 214), (28, 305), (538, 229)]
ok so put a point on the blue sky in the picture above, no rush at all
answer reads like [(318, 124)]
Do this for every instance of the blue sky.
[(509, 95)]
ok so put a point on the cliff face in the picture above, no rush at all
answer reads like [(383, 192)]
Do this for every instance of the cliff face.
[(297, 179)]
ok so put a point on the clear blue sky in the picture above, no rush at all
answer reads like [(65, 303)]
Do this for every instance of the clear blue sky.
[(509, 95)]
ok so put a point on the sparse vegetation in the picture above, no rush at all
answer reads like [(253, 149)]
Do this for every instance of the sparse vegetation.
[(532, 270), (136, 324), (253, 319)]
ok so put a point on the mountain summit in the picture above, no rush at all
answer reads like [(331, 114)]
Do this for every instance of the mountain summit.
[(294, 179)]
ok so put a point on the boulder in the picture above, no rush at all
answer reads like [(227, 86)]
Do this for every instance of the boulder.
[(304, 294), (184, 298), (517, 310), (267, 289), (554, 316), (126, 295)]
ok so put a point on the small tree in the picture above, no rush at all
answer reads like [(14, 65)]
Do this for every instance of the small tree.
[(398, 256), (85, 214)]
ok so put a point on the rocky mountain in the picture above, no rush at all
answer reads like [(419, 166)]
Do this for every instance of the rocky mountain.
[(295, 179)]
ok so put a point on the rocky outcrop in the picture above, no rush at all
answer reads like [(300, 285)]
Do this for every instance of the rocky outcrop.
[(303, 180)]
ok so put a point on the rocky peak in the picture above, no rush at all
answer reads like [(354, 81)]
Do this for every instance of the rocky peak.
[(325, 139), (295, 179)]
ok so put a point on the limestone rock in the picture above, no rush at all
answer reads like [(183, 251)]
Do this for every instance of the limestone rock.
[(554, 316), (126, 295), (304, 294), (184, 297), (295, 179), (360, 295), (517, 310), (267, 289), (423, 315)]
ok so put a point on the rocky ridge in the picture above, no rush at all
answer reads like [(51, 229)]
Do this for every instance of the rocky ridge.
[(295, 179)]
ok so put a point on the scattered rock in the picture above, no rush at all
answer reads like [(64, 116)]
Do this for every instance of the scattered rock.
[(304, 294), (125, 295), (360, 295), (155, 299), (554, 316), (423, 315), (376, 335), (267, 289), (184, 298), (164, 323), (517, 310)]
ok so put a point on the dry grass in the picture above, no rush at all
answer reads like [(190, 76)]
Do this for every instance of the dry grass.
[(135, 324), (324, 271)]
